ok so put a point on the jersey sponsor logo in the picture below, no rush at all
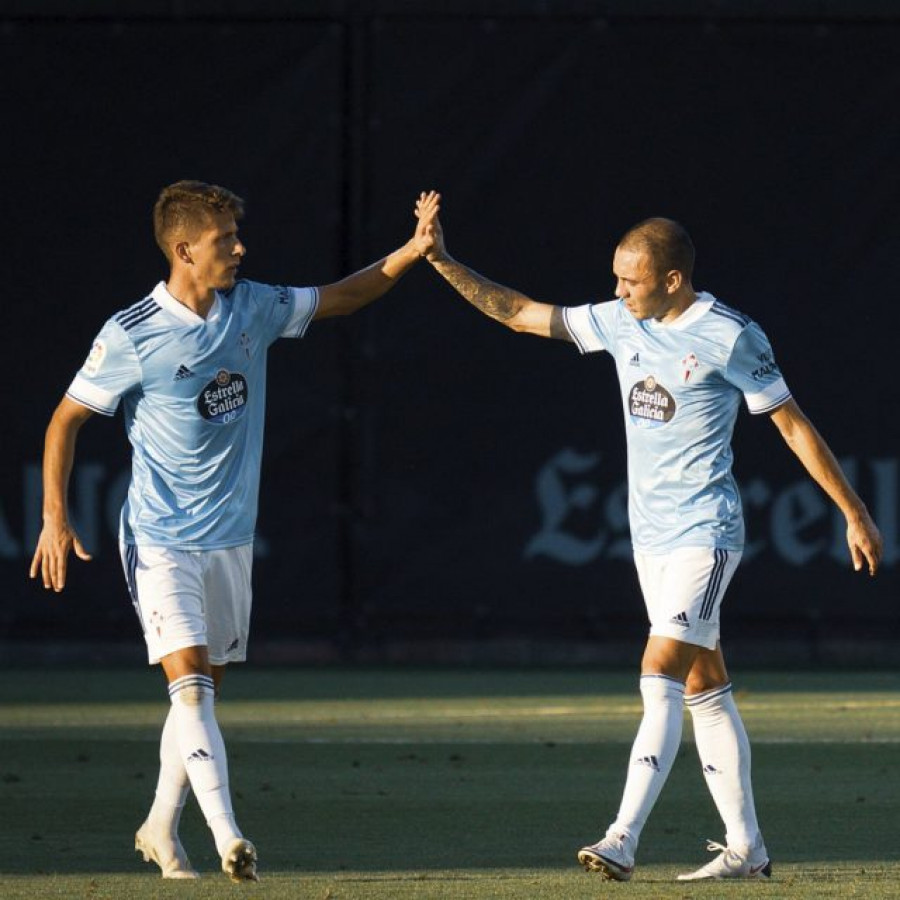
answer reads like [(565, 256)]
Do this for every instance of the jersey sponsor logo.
[(95, 358), (650, 404), (224, 399)]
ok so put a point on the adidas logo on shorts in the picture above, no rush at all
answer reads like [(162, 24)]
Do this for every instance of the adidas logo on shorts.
[(650, 761), (681, 619)]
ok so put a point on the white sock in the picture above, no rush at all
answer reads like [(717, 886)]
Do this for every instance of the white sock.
[(652, 755), (203, 753), (725, 756), (173, 785)]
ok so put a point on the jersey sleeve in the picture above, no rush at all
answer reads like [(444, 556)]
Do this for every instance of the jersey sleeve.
[(283, 311), (111, 370), (305, 301), (592, 326), (752, 369)]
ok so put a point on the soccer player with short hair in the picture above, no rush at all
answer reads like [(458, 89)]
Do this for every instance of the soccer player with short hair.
[(684, 361), (188, 365)]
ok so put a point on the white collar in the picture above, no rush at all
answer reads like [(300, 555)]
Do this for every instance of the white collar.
[(162, 296), (695, 311)]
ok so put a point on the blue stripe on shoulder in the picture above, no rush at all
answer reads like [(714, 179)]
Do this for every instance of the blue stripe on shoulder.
[(720, 309), (134, 309), (129, 322)]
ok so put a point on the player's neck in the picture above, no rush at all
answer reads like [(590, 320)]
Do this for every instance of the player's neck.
[(188, 293), (684, 299)]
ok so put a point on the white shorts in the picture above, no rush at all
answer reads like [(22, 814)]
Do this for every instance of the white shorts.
[(683, 591), (191, 598)]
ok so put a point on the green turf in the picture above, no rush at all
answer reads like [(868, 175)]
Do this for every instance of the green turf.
[(440, 783)]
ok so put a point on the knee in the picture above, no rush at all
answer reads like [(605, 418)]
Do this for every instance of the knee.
[(669, 658), (708, 673), (192, 691), (192, 695), (696, 685)]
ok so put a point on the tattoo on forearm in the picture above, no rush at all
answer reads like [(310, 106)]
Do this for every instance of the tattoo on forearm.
[(495, 300)]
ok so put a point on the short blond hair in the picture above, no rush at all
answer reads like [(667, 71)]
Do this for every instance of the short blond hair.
[(185, 207)]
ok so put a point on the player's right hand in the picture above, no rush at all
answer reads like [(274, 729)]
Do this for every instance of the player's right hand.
[(51, 557), (865, 542)]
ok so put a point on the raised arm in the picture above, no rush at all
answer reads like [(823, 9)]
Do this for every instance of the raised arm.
[(863, 536), (51, 557), (362, 287), (506, 305)]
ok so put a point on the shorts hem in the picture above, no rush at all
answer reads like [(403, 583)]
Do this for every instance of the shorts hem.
[(228, 660), (682, 637), (155, 660)]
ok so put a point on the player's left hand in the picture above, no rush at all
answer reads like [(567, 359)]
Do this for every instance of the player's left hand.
[(429, 237), (864, 540)]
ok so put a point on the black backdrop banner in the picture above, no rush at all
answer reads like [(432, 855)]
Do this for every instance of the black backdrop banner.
[(427, 472)]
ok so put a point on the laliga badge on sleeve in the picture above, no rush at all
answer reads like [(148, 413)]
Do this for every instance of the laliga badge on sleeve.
[(95, 358)]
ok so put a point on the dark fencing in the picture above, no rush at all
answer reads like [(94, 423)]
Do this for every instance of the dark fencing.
[(429, 474)]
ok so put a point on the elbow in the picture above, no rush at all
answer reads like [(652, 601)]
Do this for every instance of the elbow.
[(520, 321), (790, 438)]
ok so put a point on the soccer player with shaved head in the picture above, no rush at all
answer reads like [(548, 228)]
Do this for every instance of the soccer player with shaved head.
[(187, 363), (685, 361)]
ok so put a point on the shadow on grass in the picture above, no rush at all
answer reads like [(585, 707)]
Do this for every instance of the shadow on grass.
[(72, 807)]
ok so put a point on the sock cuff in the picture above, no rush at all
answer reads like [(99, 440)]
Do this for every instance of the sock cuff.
[(660, 686), (712, 697), (200, 683)]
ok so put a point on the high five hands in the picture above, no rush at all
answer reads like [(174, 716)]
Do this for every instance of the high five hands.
[(429, 236)]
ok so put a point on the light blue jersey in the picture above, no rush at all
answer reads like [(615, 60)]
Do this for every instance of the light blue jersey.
[(681, 386), (193, 392)]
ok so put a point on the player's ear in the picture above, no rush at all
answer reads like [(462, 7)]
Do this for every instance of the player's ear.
[(183, 253), (674, 281)]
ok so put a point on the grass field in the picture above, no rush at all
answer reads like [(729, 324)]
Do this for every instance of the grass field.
[(440, 784)]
